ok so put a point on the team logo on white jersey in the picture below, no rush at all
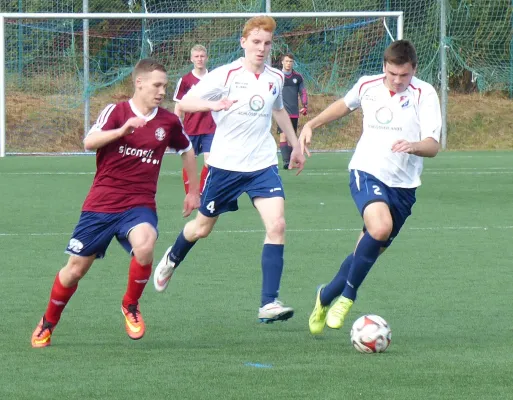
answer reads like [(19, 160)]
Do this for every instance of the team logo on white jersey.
[(256, 103), (404, 101), (384, 115), (160, 134)]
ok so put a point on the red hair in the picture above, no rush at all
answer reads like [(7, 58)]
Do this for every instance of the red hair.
[(263, 22)]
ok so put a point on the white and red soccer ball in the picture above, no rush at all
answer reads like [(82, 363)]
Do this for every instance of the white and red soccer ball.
[(371, 334)]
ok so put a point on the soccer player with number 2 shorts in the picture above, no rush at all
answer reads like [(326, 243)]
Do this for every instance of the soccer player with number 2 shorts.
[(243, 97), (130, 139), (401, 126)]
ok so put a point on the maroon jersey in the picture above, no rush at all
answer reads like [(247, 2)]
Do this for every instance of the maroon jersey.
[(127, 169), (198, 123)]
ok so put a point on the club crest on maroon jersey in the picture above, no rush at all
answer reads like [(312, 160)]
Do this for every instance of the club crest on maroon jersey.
[(160, 134)]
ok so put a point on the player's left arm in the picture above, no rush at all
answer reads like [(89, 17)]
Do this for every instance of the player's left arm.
[(297, 158), (430, 120), (283, 120), (179, 141), (192, 199), (425, 148), (304, 97)]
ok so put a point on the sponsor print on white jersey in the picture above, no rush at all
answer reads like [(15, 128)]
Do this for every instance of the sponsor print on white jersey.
[(243, 141), (412, 115)]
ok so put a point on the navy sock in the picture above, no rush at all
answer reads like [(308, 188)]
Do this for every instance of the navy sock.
[(180, 249), (286, 151), (365, 256), (337, 284), (272, 268)]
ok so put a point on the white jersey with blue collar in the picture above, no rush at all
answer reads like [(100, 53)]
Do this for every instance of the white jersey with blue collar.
[(243, 141), (412, 115)]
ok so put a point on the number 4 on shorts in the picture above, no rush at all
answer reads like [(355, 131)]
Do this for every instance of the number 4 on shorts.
[(211, 207)]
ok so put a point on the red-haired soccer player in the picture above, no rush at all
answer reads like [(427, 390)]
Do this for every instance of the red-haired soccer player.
[(200, 126), (243, 97), (130, 139)]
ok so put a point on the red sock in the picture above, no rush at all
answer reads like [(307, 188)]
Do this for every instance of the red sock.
[(203, 178), (185, 181), (59, 297), (138, 276)]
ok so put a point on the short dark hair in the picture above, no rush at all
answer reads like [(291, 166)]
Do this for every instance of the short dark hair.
[(289, 55), (147, 65), (401, 52)]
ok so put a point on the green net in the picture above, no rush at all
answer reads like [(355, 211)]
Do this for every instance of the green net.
[(44, 58)]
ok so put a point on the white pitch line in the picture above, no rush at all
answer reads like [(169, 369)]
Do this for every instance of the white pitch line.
[(426, 172), (324, 172), (427, 228), (73, 173)]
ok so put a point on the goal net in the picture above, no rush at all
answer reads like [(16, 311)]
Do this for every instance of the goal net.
[(45, 94)]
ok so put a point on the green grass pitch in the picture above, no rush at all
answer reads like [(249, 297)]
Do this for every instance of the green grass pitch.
[(444, 287)]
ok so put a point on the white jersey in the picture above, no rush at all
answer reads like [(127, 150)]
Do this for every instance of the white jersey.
[(412, 115), (243, 140)]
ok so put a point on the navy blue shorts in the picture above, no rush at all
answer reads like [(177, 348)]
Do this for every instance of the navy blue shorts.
[(201, 143), (94, 230), (223, 188), (367, 189)]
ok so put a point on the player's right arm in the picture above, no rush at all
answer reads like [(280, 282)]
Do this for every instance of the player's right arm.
[(107, 129), (197, 104), (209, 94), (335, 111)]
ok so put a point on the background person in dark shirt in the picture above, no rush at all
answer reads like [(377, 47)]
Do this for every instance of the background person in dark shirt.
[(293, 89)]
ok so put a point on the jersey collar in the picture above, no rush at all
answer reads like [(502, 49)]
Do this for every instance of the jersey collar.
[(140, 114), (197, 76)]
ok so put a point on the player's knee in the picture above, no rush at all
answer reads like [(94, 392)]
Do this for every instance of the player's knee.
[(75, 269), (380, 231), (202, 231), (276, 229), (144, 253)]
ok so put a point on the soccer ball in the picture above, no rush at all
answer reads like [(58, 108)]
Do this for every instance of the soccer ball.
[(371, 334)]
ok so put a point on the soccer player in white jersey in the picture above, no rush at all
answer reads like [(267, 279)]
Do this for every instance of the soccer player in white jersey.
[(243, 96), (401, 125)]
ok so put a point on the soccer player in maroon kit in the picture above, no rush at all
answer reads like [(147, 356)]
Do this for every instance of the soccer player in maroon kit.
[(200, 126), (130, 139)]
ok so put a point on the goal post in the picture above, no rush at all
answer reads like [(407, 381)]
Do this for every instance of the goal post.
[(67, 68)]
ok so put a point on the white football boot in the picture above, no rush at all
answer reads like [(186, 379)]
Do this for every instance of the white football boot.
[(163, 272), (275, 311)]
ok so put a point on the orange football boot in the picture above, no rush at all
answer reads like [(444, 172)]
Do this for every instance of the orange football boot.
[(134, 323), (43, 334)]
